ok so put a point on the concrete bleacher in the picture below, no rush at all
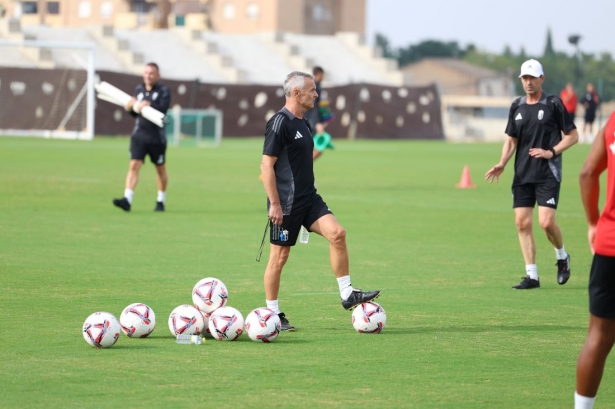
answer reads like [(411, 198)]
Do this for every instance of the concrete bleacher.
[(176, 59), (13, 57), (104, 59), (341, 64), (262, 64), (183, 54)]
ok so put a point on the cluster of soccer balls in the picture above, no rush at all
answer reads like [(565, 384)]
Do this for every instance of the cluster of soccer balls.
[(209, 317)]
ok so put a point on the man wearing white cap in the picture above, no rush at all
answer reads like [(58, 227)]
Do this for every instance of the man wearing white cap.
[(536, 122)]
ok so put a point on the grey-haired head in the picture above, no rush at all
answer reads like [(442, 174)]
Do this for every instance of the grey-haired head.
[(295, 79)]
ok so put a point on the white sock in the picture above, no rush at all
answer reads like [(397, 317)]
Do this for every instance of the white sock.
[(532, 271), (128, 194), (561, 254), (345, 287), (161, 196), (273, 305), (583, 402)]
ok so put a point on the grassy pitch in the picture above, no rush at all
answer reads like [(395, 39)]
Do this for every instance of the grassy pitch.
[(445, 259)]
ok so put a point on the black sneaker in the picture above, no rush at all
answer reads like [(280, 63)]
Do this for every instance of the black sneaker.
[(122, 203), (285, 324), (563, 270), (527, 284), (159, 207), (359, 297)]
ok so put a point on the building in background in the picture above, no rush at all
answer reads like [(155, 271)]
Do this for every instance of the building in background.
[(457, 77), (324, 17)]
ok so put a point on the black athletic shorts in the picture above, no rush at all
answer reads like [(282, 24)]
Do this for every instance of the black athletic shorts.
[(140, 148), (602, 287), (286, 234), (545, 194), (589, 117)]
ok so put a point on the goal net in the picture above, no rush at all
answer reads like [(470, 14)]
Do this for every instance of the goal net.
[(194, 127), (47, 89)]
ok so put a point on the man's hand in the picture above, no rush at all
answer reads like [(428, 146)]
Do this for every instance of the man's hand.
[(494, 173), (130, 103), (275, 214), (320, 128), (591, 236), (142, 104), (541, 153)]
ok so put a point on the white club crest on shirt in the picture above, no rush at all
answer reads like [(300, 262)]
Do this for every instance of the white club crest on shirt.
[(140, 96), (541, 114), (154, 96)]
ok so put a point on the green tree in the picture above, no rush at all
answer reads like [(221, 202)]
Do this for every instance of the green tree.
[(559, 67), (383, 43), (549, 51)]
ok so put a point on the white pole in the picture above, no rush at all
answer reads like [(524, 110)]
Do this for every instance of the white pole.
[(91, 101)]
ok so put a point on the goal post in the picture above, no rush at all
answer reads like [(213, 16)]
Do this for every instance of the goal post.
[(47, 89), (194, 127)]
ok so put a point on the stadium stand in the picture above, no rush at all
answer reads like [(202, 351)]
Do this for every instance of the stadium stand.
[(176, 58)]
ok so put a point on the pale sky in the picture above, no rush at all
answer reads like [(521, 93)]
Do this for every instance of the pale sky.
[(492, 24)]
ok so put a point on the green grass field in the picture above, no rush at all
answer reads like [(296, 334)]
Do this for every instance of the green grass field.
[(445, 259)]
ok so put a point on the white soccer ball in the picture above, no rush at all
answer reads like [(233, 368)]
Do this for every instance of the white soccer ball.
[(369, 317), (138, 320), (186, 319), (263, 325), (209, 294), (101, 329), (226, 324)]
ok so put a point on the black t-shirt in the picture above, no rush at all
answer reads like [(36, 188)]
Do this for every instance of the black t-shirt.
[(313, 115), (537, 126), (160, 99), (290, 140), (589, 99)]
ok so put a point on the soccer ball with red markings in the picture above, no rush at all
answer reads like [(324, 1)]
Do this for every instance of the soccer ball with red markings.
[(226, 324), (101, 330), (138, 320), (209, 294), (263, 325), (369, 317), (186, 319)]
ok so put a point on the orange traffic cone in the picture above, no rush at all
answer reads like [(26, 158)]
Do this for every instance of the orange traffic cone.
[(466, 180)]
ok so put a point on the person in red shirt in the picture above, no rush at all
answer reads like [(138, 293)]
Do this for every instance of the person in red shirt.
[(601, 235), (570, 99)]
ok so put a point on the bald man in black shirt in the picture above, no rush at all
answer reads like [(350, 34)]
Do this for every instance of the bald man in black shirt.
[(147, 138), (536, 122), (292, 200)]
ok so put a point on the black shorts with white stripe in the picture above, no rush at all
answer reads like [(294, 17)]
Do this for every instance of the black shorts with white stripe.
[(545, 194)]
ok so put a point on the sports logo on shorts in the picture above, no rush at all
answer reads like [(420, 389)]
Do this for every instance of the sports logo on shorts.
[(160, 160), (284, 235), (541, 114)]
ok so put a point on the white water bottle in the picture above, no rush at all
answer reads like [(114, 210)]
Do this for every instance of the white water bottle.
[(189, 339), (304, 235)]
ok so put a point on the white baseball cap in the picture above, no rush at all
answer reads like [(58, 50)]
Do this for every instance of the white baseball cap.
[(531, 67)]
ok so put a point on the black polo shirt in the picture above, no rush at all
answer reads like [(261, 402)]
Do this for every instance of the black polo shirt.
[(537, 125), (290, 140), (160, 99)]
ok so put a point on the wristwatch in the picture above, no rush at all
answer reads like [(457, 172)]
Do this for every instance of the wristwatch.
[(553, 152)]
